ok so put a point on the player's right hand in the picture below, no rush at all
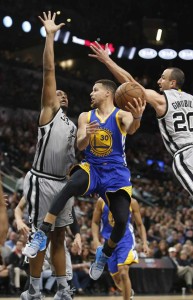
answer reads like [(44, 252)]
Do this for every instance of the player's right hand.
[(92, 127), (23, 228)]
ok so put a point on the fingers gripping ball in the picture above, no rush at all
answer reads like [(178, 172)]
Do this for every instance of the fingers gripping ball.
[(126, 92)]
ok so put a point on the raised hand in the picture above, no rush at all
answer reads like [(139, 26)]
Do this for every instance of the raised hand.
[(48, 21), (100, 53)]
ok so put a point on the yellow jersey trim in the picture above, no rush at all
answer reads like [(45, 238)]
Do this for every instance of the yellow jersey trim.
[(101, 119), (119, 124), (89, 116)]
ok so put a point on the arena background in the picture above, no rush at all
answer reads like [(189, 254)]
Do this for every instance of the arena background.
[(124, 23)]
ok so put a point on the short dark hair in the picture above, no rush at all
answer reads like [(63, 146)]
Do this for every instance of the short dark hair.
[(178, 75), (111, 85)]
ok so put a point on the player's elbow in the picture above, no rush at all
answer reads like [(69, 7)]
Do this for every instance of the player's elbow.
[(132, 130)]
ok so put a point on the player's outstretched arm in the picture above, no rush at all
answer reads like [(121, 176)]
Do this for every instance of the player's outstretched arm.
[(103, 56), (157, 101), (49, 99)]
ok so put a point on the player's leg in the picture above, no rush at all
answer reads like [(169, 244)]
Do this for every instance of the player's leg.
[(58, 259), (125, 282), (119, 203), (119, 206), (34, 199), (119, 262), (35, 273), (183, 169), (125, 288), (75, 186)]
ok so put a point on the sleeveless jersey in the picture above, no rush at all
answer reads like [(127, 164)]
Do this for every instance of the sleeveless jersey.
[(176, 126), (107, 144), (55, 151), (107, 224)]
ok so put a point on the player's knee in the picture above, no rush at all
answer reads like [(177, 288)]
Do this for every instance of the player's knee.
[(123, 272), (57, 237), (124, 276), (121, 225)]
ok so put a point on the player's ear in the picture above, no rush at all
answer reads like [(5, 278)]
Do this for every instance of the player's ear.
[(173, 83), (107, 93)]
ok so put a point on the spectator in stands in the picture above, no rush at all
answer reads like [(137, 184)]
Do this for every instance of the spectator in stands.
[(16, 269), (81, 279), (145, 218), (4, 272), (162, 249), (184, 272), (12, 240)]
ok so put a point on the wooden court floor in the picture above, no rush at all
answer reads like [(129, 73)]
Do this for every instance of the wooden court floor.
[(156, 297)]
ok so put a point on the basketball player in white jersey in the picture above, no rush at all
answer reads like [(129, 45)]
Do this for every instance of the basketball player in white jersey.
[(174, 109), (54, 155)]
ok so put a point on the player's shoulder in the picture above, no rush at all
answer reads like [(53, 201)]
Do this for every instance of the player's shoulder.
[(123, 113), (84, 114), (84, 117)]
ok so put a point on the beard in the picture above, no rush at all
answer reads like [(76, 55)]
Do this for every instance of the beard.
[(93, 105)]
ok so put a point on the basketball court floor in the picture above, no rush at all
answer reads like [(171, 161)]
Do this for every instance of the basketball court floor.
[(164, 297)]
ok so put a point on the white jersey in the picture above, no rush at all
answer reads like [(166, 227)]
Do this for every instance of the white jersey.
[(55, 151), (176, 126)]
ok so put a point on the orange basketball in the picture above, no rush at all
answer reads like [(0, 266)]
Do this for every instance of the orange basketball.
[(126, 92)]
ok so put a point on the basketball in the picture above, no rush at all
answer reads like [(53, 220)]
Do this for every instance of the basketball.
[(126, 92)]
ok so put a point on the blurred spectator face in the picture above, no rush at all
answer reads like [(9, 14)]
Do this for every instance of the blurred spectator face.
[(172, 252), (85, 252), (19, 246), (186, 248), (13, 236), (188, 242), (73, 249), (142, 211), (178, 247), (162, 245), (183, 255)]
